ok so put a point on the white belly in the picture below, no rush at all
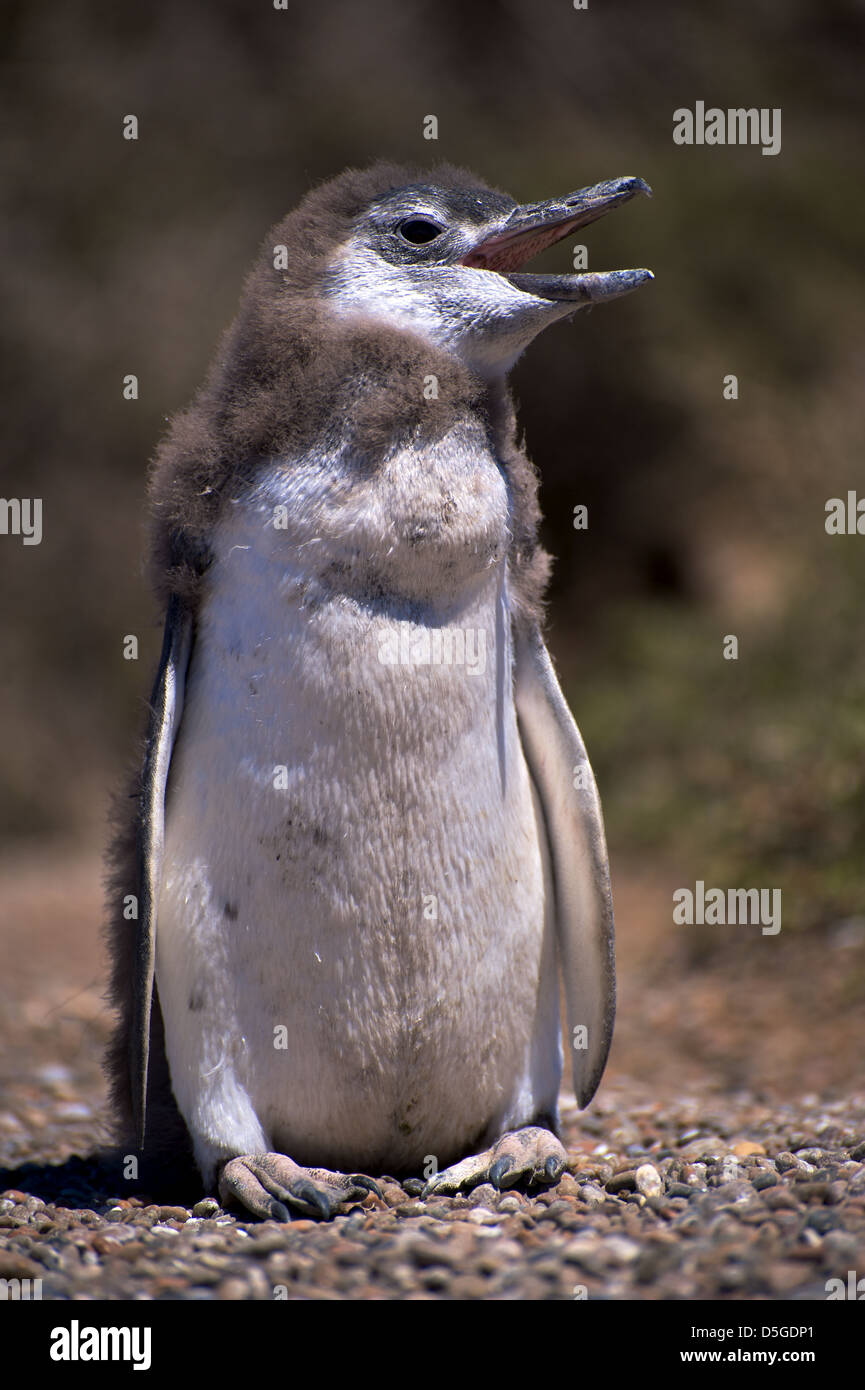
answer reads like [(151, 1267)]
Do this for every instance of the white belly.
[(355, 956)]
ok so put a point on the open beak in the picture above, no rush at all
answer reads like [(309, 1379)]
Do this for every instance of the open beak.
[(532, 228)]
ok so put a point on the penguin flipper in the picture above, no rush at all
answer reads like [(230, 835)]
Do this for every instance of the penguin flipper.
[(166, 707), (557, 760)]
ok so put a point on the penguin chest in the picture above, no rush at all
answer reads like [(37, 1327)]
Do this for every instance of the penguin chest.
[(354, 928)]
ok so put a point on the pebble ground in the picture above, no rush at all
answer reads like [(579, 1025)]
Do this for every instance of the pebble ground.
[(725, 1197)]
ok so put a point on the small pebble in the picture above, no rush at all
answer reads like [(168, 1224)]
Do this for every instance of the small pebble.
[(592, 1195), (648, 1180), (745, 1148), (621, 1182), (680, 1189), (482, 1216), (763, 1179), (207, 1207)]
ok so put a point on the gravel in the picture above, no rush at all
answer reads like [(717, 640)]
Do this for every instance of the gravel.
[(685, 1198)]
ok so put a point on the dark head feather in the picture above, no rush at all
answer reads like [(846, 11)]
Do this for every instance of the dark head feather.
[(288, 374)]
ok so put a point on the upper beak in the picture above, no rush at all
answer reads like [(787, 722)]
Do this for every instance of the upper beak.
[(535, 226)]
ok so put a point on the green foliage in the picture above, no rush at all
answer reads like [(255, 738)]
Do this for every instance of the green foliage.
[(748, 772)]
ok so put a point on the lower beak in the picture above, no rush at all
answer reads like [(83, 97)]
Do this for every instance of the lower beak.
[(532, 228)]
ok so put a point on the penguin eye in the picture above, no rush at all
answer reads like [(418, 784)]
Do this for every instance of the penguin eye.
[(418, 231)]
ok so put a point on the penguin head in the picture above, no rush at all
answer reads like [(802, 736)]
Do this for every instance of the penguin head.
[(441, 257)]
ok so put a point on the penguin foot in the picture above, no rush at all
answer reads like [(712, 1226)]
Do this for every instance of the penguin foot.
[(269, 1184), (533, 1155)]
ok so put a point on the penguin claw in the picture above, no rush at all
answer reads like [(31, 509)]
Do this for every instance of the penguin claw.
[(553, 1169), (498, 1170), (369, 1184), (272, 1186), (313, 1199), (532, 1155)]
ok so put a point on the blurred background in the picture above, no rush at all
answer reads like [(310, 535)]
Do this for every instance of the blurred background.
[(706, 515)]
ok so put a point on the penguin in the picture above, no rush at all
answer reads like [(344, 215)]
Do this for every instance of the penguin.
[(364, 839)]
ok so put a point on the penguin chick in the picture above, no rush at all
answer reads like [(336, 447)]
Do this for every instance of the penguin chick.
[(365, 835)]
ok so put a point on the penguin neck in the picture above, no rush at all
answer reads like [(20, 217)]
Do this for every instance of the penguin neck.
[(342, 400)]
